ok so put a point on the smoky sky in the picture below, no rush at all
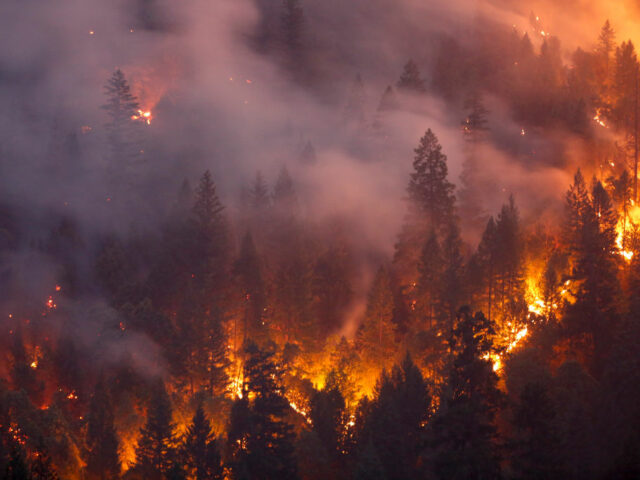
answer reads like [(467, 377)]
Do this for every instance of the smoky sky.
[(212, 75)]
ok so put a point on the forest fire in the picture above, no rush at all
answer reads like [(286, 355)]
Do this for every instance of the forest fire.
[(313, 286)]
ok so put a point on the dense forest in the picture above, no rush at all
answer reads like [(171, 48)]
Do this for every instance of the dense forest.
[(166, 313)]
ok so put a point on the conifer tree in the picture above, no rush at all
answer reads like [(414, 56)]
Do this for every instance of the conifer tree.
[(625, 77), (123, 128), (462, 439), (410, 80), (376, 336), (395, 420), (591, 235), (488, 256), (452, 286), (103, 462), (260, 439), (388, 100), (155, 452), (259, 194), (201, 456), (604, 50), (475, 130), (284, 195), (248, 271), (328, 416), (430, 205), (430, 271), (534, 446)]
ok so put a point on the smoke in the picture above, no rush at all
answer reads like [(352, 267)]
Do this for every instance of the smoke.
[(214, 76)]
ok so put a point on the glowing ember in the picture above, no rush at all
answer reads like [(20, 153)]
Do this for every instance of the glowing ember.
[(598, 118)]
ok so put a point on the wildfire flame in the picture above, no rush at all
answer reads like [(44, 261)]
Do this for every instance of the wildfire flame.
[(144, 115), (598, 118)]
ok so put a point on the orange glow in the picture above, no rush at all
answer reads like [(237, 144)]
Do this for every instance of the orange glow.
[(144, 116)]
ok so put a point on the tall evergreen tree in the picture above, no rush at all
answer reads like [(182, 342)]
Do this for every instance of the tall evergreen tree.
[(285, 200), (534, 446), (259, 194), (430, 205), (410, 80), (248, 271), (591, 236), (155, 452), (123, 128), (604, 50), (430, 269), (201, 456), (395, 420), (260, 439), (475, 130), (103, 461), (328, 416), (462, 438), (376, 336)]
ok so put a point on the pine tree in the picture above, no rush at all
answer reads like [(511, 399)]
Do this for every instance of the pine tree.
[(395, 420), (259, 194), (604, 50), (207, 209), (332, 287), (430, 205), (155, 449), (285, 200), (625, 77), (202, 458), (462, 437), (430, 269), (388, 101), (621, 192), (259, 437), (328, 416), (410, 80), (452, 286), (376, 336), (248, 271), (123, 128), (103, 461), (591, 237), (534, 447), (475, 130), (510, 265), (205, 301)]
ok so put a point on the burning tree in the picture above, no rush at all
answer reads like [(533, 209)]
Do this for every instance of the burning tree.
[(259, 437), (123, 130)]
